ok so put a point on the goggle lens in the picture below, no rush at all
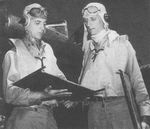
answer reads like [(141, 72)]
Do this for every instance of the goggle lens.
[(37, 12), (91, 9)]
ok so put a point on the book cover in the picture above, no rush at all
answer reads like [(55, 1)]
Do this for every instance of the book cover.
[(38, 81)]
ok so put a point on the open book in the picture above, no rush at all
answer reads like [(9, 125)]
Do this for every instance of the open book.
[(38, 81)]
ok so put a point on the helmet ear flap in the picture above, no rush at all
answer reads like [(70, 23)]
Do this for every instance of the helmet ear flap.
[(107, 17), (27, 20)]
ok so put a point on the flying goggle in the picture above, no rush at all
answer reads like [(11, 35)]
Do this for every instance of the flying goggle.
[(90, 10), (38, 12)]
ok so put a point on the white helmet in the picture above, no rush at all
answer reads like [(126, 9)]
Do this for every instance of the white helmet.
[(34, 10), (95, 8)]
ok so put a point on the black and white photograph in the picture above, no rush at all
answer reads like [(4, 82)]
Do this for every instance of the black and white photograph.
[(74, 64)]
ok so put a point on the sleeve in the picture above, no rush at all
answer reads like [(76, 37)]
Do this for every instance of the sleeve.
[(137, 82), (14, 94), (53, 61)]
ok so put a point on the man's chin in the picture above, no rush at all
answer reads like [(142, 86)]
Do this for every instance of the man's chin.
[(93, 33), (38, 37)]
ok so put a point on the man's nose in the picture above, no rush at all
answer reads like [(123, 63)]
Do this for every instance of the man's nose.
[(42, 27), (89, 24)]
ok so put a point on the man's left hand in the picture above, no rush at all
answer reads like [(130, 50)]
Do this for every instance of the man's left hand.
[(69, 104)]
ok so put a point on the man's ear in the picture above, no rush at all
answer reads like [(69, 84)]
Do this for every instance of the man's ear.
[(107, 18)]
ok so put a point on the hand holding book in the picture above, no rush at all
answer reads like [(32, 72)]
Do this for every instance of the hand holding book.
[(50, 96), (53, 87), (57, 93)]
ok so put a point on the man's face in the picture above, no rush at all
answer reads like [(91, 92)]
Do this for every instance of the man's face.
[(36, 28), (93, 23)]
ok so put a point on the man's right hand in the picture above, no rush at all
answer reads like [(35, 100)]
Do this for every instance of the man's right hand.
[(57, 93)]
